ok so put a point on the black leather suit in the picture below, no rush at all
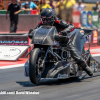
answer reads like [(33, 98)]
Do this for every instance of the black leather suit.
[(62, 26)]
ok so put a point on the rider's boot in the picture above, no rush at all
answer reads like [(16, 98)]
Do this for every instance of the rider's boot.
[(87, 69)]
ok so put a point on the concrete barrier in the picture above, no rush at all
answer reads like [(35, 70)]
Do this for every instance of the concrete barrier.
[(25, 22)]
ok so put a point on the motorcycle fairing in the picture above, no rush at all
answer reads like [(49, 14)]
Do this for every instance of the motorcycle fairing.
[(60, 69), (44, 35)]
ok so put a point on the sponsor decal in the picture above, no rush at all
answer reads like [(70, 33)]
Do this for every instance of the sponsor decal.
[(82, 32), (84, 18), (95, 18), (90, 19), (95, 36), (13, 42), (8, 52), (11, 52), (76, 19), (62, 76)]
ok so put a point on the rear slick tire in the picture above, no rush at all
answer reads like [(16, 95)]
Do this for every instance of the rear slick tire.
[(33, 74)]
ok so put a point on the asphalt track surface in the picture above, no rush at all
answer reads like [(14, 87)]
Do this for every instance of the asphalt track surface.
[(85, 88)]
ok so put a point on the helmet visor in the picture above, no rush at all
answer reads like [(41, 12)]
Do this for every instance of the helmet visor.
[(46, 20)]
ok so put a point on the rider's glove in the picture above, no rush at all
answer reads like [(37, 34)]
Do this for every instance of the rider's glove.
[(30, 35), (63, 33)]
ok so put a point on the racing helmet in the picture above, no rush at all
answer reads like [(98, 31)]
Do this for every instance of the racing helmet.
[(48, 16)]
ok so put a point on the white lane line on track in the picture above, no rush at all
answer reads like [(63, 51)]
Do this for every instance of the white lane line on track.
[(95, 55), (12, 66)]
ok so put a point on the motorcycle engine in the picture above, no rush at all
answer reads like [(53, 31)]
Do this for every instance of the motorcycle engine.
[(65, 54)]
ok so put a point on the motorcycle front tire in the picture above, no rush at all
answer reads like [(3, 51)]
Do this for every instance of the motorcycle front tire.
[(32, 66)]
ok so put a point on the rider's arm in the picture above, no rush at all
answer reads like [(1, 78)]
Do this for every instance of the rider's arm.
[(69, 28), (65, 27)]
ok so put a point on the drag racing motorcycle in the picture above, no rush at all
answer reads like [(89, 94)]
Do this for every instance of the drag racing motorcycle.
[(50, 58)]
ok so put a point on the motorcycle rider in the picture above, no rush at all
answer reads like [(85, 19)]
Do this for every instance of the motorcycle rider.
[(48, 17)]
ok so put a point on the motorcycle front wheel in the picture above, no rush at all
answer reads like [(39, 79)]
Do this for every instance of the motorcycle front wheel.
[(34, 69)]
